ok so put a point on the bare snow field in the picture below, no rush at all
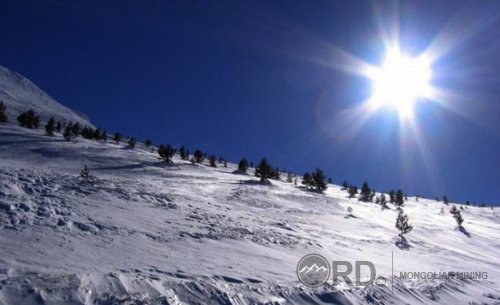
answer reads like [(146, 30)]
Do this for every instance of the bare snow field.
[(141, 231)]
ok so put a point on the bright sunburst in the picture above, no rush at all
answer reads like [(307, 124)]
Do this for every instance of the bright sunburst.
[(400, 81)]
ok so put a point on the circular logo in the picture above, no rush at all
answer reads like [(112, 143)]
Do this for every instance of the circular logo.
[(313, 270)]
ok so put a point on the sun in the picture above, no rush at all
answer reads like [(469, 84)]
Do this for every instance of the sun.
[(400, 81)]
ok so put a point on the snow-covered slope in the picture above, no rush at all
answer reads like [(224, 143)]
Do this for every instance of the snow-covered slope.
[(20, 94), (145, 232)]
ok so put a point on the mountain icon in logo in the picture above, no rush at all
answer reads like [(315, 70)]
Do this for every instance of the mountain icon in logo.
[(313, 270)]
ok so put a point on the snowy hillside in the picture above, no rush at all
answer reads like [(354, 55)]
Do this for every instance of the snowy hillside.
[(145, 232), (20, 94), (142, 231)]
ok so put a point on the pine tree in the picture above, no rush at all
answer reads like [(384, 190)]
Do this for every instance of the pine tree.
[(307, 180), (383, 202), (183, 153), (445, 200), (166, 152), (458, 218), (131, 142), (85, 172), (243, 165), (402, 224), (67, 133), (198, 156), (289, 177), (399, 198), (264, 170), (29, 119), (212, 161), (75, 130), (117, 137), (275, 173), (104, 136), (318, 178), (59, 126), (353, 191), (148, 143), (345, 186), (225, 163), (50, 127), (87, 133), (3, 113), (97, 134), (392, 196), (365, 192)]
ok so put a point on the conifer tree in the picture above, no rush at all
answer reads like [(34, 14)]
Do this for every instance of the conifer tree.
[(243, 165), (29, 119), (59, 126), (182, 153), (117, 137), (104, 136), (166, 152), (75, 130), (289, 177), (85, 172), (445, 200), (212, 161), (264, 170), (353, 191), (50, 127), (3, 113), (131, 142), (399, 198), (307, 180), (97, 134), (67, 133), (225, 163), (392, 196), (318, 178), (365, 192), (198, 156), (148, 143), (345, 186), (402, 224)]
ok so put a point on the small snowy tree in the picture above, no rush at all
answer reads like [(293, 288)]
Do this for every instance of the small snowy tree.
[(399, 198), (131, 142), (212, 160), (345, 186), (76, 130), (85, 172), (366, 192), (166, 152), (198, 156), (264, 170), (67, 133), (117, 137), (183, 153), (243, 165), (404, 227), (289, 177), (353, 191), (50, 127), (29, 119), (307, 180), (318, 178), (3, 113)]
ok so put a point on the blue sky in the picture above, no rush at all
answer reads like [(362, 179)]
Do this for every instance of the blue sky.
[(262, 78)]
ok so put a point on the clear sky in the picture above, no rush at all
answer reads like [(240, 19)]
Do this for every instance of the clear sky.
[(277, 79)]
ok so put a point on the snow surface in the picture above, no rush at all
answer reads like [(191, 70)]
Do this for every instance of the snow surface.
[(142, 231)]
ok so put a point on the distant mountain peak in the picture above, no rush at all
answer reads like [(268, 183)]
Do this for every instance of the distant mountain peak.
[(20, 94)]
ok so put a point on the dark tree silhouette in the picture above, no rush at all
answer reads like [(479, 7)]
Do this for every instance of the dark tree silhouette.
[(50, 127), (243, 165), (117, 137), (131, 142), (29, 119), (3, 113), (166, 152), (366, 192), (307, 180), (399, 198), (212, 161), (264, 170), (318, 178), (198, 156)]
